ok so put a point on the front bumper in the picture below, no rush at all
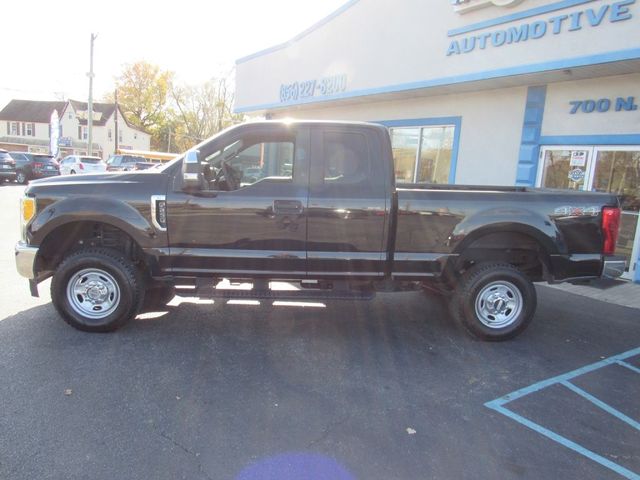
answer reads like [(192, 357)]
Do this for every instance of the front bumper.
[(26, 260)]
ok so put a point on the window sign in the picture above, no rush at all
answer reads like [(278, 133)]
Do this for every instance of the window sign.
[(578, 158)]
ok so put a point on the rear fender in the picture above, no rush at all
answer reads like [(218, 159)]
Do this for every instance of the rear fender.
[(505, 220)]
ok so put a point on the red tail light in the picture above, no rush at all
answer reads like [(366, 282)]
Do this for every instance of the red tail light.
[(37, 165), (81, 165), (610, 227)]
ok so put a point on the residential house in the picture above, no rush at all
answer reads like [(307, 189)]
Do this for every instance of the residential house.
[(25, 126)]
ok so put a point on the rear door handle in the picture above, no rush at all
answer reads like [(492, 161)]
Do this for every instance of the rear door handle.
[(287, 207)]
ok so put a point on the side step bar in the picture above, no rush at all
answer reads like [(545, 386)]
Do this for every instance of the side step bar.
[(261, 291)]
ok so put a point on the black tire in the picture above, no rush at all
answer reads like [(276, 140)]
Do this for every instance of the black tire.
[(494, 301), (21, 177), (156, 298), (116, 270)]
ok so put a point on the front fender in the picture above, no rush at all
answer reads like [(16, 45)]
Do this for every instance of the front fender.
[(136, 222)]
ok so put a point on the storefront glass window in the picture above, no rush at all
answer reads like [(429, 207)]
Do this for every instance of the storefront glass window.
[(405, 143), (422, 155), (435, 155), (557, 166), (619, 172)]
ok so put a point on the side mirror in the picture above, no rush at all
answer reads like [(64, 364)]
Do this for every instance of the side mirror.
[(191, 170)]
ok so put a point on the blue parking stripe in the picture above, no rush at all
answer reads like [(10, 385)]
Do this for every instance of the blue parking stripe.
[(629, 366), (600, 404), (564, 377), (565, 442)]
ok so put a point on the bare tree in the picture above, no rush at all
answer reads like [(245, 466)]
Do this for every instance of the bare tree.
[(202, 110)]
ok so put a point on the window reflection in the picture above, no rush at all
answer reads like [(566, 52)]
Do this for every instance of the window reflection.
[(422, 155)]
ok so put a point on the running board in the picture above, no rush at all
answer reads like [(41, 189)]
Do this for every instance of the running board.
[(210, 291)]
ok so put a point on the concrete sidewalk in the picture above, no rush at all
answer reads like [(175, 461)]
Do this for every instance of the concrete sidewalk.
[(618, 292)]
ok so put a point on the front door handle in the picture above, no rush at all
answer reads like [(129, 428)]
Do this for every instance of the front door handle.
[(287, 207)]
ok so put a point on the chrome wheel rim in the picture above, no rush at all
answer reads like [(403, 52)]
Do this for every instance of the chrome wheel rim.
[(93, 293), (499, 304), (20, 178)]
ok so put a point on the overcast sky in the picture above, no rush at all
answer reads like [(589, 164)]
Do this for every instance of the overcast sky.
[(45, 53)]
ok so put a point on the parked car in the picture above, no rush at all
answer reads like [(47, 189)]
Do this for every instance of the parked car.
[(338, 225), (7, 167), (30, 166), (127, 163), (76, 164)]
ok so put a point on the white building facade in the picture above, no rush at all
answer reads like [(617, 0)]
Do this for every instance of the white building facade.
[(505, 92), (25, 126)]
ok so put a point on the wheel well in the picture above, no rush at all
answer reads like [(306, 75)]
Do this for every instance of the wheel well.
[(75, 235), (518, 249)]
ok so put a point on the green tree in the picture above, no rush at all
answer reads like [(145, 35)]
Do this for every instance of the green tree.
[(143, 94)]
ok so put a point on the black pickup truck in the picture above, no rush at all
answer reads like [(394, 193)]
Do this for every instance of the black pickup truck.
[(315, 204)]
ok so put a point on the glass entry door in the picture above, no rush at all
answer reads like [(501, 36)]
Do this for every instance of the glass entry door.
[(613, 169)]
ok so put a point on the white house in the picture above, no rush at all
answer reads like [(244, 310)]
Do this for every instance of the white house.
[(25, 126)]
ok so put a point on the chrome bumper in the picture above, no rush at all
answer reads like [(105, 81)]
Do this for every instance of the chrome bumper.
[(613, 268), (26, 260)]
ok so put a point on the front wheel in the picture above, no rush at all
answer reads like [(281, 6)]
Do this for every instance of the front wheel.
[(494, 301), (21, 178), (97, 290)]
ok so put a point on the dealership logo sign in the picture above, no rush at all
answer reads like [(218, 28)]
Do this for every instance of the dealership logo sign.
[(464, 6)]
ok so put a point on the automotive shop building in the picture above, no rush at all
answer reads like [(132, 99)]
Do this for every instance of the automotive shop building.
[(505, 92)]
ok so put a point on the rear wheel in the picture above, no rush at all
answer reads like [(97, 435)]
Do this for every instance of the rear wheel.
[(97, 290), (494, 301), (21, 177)]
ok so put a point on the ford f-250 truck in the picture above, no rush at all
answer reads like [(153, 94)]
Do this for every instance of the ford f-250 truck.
[(314, 203)]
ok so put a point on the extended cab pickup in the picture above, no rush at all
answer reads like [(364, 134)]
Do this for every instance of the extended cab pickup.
[(313, 203)]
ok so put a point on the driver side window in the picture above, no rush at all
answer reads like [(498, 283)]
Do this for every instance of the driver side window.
[(245, 162)]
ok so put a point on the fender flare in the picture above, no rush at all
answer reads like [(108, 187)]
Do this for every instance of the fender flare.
[(92, 209)]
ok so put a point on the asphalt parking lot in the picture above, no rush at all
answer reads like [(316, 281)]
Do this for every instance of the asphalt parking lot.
[(388, 389)]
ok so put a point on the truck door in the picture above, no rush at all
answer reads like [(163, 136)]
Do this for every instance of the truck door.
[(255, 221), (348, 206)]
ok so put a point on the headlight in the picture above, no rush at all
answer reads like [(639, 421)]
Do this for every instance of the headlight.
[(27, 212)]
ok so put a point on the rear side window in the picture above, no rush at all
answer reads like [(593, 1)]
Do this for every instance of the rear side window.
[(346, 158)]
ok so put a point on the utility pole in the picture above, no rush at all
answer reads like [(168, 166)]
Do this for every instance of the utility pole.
[(169, 141), (90, 112), (115, 151)]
